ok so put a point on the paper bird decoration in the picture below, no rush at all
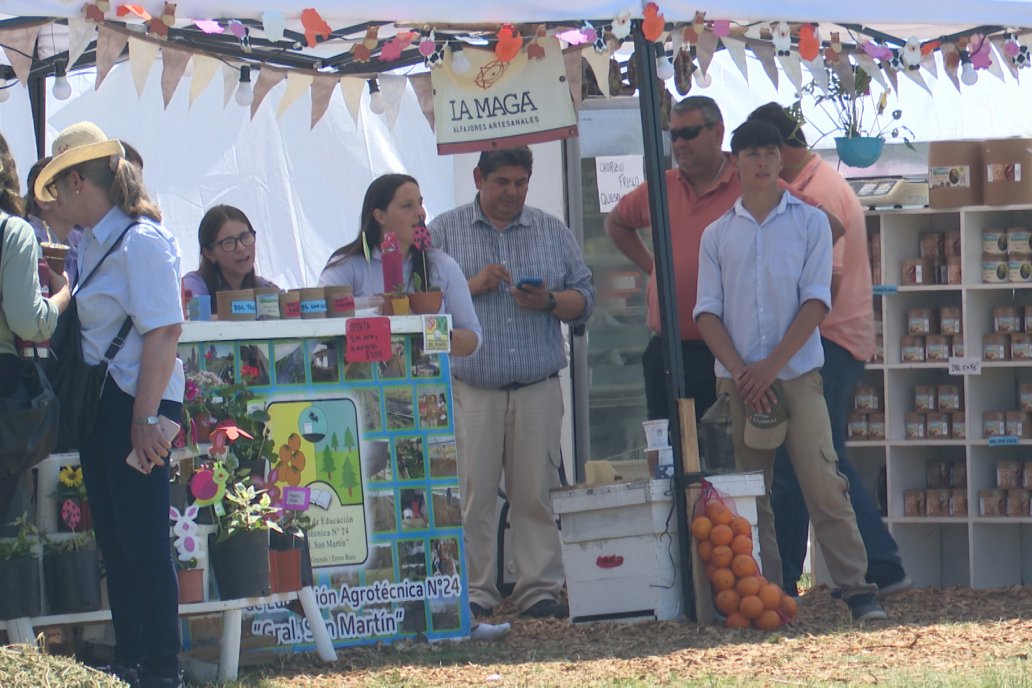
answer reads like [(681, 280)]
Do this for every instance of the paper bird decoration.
[(209, 26), (135, 10), (159, 26), (364, 50), (509, 43), (653, 22), (314, 25), (782, 38), (93, 13), (809, 43), (622, 25), (392, 49)]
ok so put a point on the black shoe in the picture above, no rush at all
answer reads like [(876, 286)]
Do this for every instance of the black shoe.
[(545, 609), (480, 612), (866, 607), (129, 675), (152, 681)]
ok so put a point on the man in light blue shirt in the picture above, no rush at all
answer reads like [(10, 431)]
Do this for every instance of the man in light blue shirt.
[(764, 287)]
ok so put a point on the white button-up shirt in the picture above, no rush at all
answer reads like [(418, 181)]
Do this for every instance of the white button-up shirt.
[(756, 276), (140, 279)]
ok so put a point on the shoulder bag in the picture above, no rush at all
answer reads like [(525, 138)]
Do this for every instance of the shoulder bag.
[(78, 385), (28, 419)]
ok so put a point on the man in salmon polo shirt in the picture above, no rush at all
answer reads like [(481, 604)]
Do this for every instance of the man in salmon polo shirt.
[(700, 189), (847, 335)]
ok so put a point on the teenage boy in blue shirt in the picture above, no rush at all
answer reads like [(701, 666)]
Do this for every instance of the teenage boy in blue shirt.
[(764, 287)]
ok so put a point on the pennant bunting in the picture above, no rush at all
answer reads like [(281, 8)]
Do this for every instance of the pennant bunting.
[(80, 34), (268, 77), (915, 76), (892, 75), (352, 88), (424, 91), (951, 63), (574, 74), (230, 78), (322, 91), (928, 63), (204, 68), (817, 70), (995, 67), (110, 44), (297, 84), (843, 69), (867, 63), (392, 88), (173, 65), (736, 49), (705, 48), (19, 44), (764, 52), (141, 57), (793, 68), (599, 64)]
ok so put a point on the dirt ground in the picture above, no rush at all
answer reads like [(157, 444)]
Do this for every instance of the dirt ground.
[(929, 633)]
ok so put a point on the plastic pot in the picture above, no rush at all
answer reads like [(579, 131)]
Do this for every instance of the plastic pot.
[(859, 151), (19, 579), (241, 564), (72, 581)]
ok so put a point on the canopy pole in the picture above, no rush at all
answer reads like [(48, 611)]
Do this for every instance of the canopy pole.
[(38, 102), (649, 91)]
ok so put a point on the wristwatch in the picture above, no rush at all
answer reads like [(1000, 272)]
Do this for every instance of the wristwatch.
[(146, 420), (551, 303)]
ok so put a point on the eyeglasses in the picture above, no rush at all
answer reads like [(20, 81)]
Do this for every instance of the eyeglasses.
[(51, 188), (229, 244), (688, 133)]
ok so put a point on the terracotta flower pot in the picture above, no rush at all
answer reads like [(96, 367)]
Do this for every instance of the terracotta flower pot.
[(191, 585), (396, 305), (285, 570), (426, 302)]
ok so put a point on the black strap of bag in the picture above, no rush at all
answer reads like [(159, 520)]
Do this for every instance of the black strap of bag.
[(78, 384)]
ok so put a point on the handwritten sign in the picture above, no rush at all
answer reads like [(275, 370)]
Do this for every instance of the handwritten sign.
[(965, 365), (617, 176), (368, 340), (1003, 440)]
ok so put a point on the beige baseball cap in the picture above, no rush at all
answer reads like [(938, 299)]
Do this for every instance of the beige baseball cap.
[(768, 430)]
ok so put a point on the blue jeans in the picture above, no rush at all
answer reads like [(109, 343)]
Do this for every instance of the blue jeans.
[(840, 374), (130, 519)]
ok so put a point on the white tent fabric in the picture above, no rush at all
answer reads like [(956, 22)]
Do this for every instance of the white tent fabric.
[(879, 12)]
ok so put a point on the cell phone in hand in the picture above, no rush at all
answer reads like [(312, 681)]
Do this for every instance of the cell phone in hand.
[(169, 430), (529, 281)]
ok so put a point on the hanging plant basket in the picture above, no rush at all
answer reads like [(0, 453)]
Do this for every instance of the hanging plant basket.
[(72, 580), (19, 579), (426, 302), (859, 151), (241, 564)]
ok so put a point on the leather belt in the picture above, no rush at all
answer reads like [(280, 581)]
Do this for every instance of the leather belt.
[(513, 386)]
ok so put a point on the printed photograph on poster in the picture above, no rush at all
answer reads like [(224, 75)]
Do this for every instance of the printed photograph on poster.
[(368, 399), (254, 364), (382, 513), (437, 333), (397, 365), (412, 558), (380, 566), (409, 455), (290, 362), (433, 406), (443, 456), (219, 359), (376, 457), (357, 371), (413, 510), (447, 512), (423, 364), (322, 360), (191, 359), (399, 408)]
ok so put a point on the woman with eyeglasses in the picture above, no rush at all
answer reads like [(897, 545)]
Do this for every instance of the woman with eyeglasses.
[(227, 255)]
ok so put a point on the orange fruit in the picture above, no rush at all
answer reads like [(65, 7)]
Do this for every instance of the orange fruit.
[(743, 565), (719, 514), (741, 545), (726, 601), (701, 527), (767, 621), (722, 556), (789, 607), (751, 607), (721, 535), (723, 579), (705, 550), (770, 594), (750, 585), (736, 620), (710, 568), (741, 526)]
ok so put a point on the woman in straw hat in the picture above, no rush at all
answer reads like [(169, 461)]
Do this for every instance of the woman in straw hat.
[(129, 268)]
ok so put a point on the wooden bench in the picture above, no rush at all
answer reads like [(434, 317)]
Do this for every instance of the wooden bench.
[(24, 630)]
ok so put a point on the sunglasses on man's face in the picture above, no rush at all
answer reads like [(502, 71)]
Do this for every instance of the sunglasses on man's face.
[(688, 133)]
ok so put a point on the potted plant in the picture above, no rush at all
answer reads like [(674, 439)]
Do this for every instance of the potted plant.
[(73, 510), (396, 302), (290, 561), (425, 298), (189, 554), (857, 117), (198, 420), (240, 549), (71, 574), (19, 572)]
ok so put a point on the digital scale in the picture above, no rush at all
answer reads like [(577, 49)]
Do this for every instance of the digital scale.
[(891, 192)]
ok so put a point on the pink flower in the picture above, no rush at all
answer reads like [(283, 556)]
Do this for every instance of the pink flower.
[(421, 238), (192, 390), (249, 372)]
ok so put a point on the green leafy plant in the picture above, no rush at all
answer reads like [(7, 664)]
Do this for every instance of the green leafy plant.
[(295, 523), (854, 112), (247, 510), (75, 543), (23, 544), (187, 565)]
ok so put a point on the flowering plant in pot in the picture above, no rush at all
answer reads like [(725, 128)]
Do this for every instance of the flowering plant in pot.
[(19, 571), (290, 561), (425, 298), (71, 573), (197, 417), (73, 510), (240, 549), (857, 118), (189, 554)]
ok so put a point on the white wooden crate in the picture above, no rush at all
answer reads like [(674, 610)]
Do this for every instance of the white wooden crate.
[(620, 550)]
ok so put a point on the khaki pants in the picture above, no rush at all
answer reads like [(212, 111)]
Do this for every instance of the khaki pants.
[(810, 447), (518, 431)]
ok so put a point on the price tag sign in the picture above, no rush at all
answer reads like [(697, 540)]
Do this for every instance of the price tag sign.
[(966, 365), (885, 289), (367, 340), (437, 333), (1003, 441), (617, 176)]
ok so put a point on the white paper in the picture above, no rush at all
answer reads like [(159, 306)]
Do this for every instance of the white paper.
[(617, 176), (967, 365)]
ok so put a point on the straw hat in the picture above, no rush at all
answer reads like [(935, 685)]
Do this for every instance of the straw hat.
[(75, 145)]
